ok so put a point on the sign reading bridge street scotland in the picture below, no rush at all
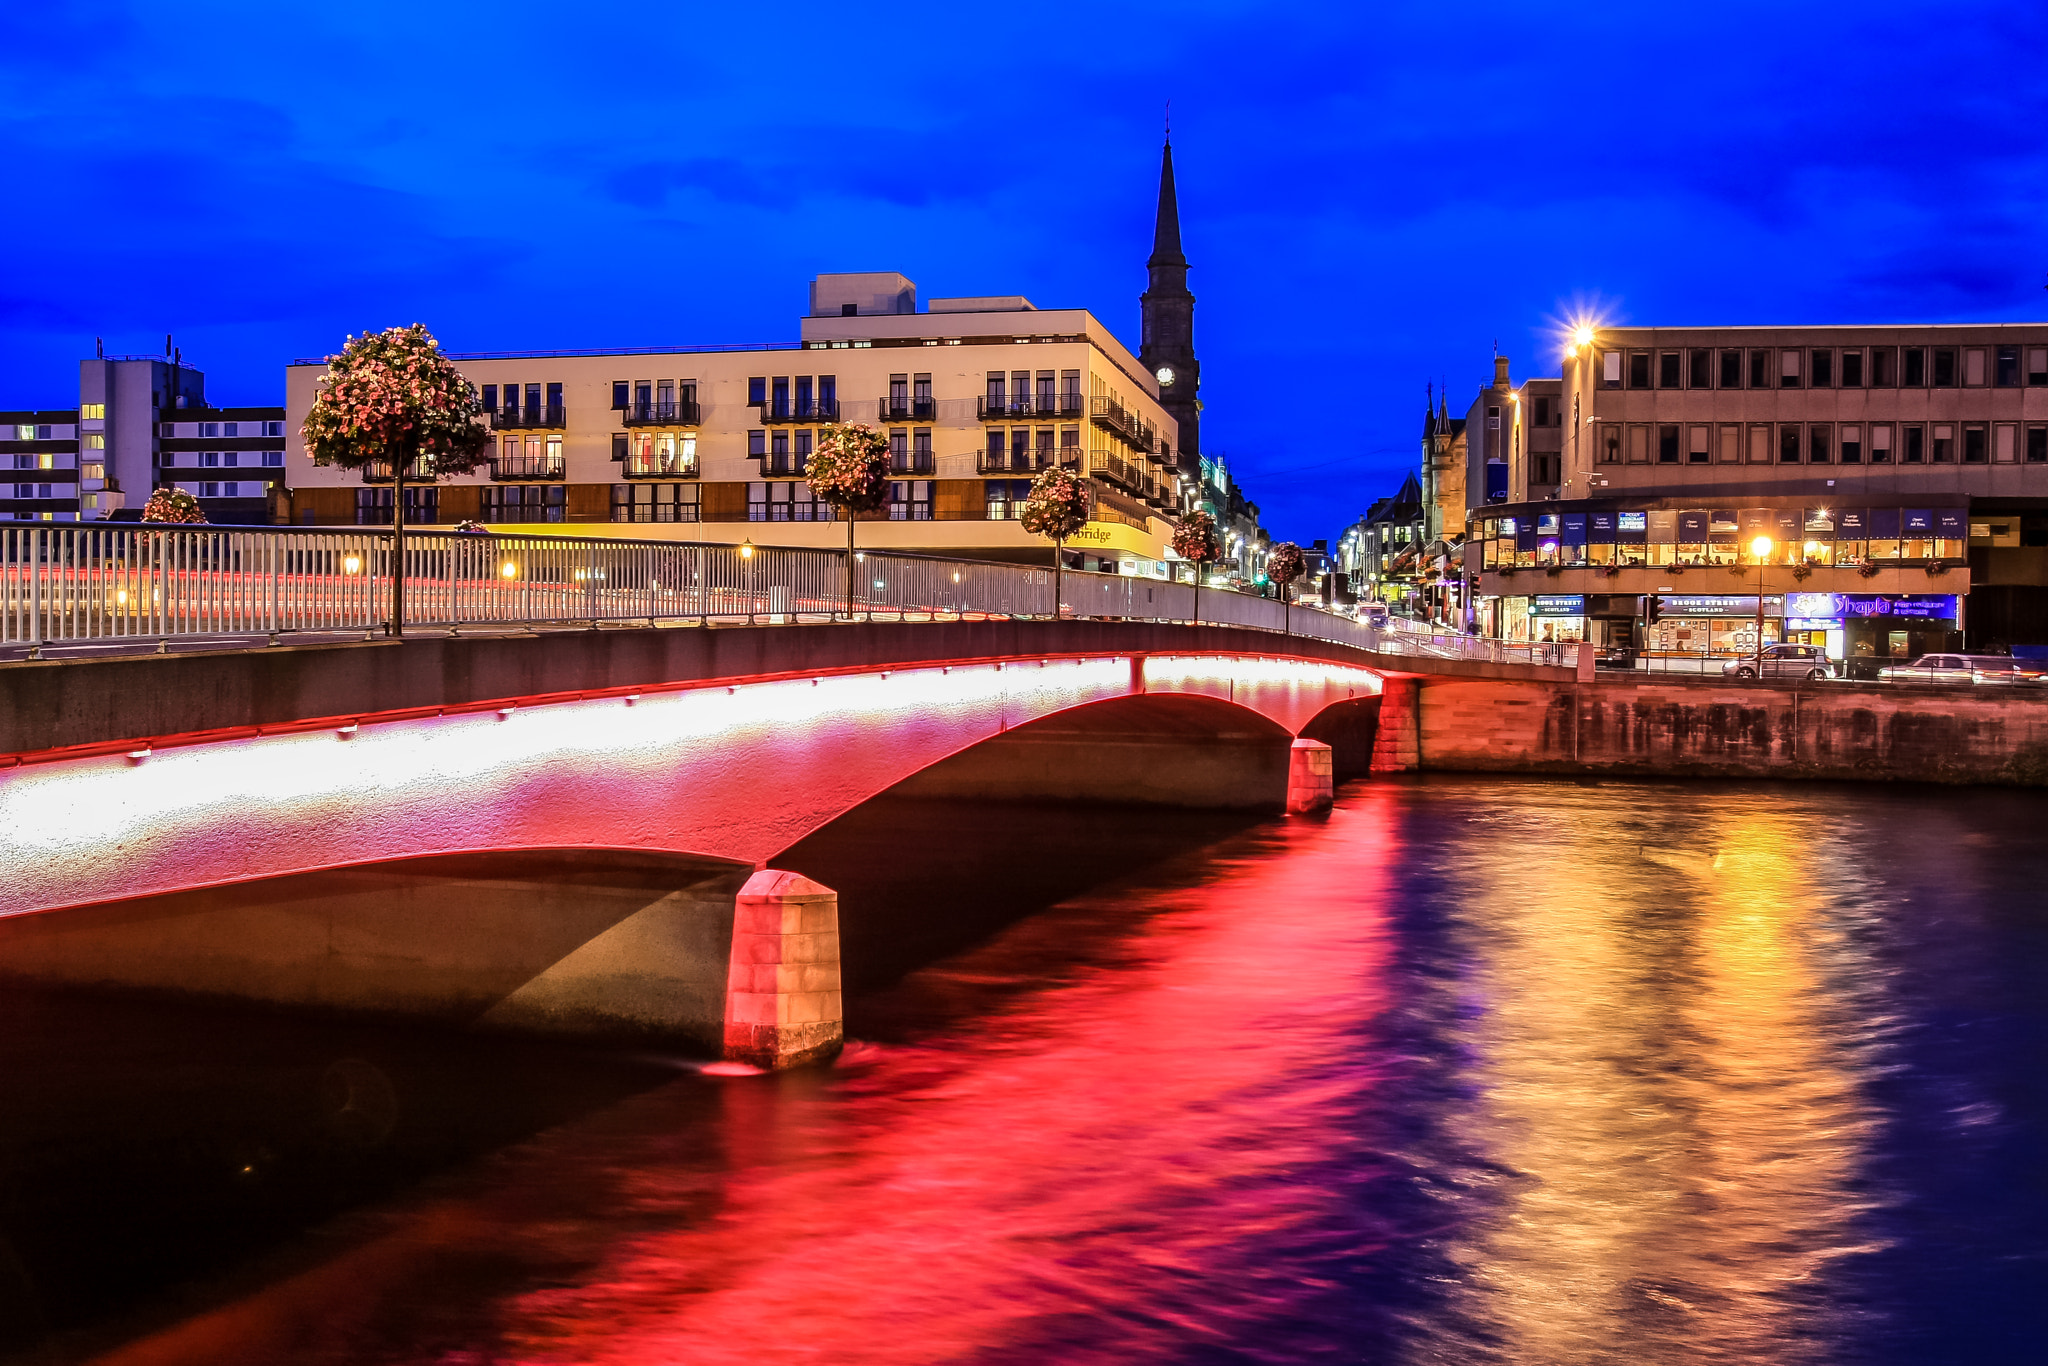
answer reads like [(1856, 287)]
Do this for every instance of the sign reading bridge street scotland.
[(1916, 606)]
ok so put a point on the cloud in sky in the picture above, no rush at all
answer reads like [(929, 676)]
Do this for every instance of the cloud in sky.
[(1371, 195)]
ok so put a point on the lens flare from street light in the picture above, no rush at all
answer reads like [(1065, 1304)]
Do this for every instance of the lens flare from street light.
[(508, 570), (1761, 547), (1583, 336), (352, 564), (746, 550)]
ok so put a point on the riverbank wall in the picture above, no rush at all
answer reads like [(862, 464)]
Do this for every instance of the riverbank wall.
[(1711, 728)]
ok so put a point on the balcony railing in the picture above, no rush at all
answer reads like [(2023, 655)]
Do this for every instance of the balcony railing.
[(1025, 407), (1124, 423), (527, 467), (653, 413), (549, 415), (911, 462), (817, 410), (908, 409), (672, 466), (1027, 462)]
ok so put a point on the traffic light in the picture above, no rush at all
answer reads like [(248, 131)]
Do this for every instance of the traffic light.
[(1653, 610)]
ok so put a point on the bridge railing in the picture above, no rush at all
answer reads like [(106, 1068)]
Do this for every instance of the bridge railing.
[(85, 583)]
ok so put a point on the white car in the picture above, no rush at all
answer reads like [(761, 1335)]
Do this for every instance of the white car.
[(1783, 661), (1931, 669)]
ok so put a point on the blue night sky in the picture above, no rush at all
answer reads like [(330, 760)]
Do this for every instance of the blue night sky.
[(1372, 195)]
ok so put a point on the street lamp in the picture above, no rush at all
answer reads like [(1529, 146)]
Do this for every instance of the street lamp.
[(1761, 547), (747, 557)]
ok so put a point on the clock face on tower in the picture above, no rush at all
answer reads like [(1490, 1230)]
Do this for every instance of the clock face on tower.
[(1166, 374)]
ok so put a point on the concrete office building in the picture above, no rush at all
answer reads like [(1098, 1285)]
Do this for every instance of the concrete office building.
[(1900, 473)]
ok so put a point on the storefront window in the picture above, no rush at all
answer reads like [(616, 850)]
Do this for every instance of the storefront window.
[(1951, 534), (1631, 536), (1852, 536), (1723, 527), (1884, 533), (1916, 533)]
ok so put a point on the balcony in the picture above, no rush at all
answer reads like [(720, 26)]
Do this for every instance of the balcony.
[(908, 409), (913, 462), (1029, 462), (1124, 424), (653, 413), (1025, 408), (817, 410), (671, 466), (1125, 474), (528, 467), (515, 416)]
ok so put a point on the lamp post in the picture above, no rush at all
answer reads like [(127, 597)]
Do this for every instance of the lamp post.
[(747, 558), (1761, 548)]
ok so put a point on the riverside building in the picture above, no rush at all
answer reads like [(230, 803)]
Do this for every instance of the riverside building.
[(1900, 475), (975, 396)]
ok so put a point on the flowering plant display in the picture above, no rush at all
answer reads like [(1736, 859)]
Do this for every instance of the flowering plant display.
[(173, 506), (391, 396), (850, 470), (1195, 539), (1284, 564), (470, 527), (1056, 508), (850, 467)]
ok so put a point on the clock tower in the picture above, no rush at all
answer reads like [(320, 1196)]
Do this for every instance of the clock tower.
[(1167, 344)]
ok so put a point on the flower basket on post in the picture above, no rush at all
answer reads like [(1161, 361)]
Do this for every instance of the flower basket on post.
[(1284, 564), (1195, 541), (850, 470), (1056, 508), (391, 396), (173, 507)]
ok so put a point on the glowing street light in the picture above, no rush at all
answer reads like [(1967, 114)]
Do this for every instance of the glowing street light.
[(1761, 547), (1583, 337)]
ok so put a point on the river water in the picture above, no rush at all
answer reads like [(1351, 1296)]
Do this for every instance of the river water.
[(1473, 1070)]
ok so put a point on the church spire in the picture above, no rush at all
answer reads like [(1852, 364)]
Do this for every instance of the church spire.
[(1166, 230)]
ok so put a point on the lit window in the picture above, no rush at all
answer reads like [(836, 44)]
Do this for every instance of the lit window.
[(95, 441)]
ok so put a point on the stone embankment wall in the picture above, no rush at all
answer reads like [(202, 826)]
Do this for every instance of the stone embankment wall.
[(1960, 734)]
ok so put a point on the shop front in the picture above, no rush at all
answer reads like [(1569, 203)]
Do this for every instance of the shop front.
[(1714, 624), (1869, 630)]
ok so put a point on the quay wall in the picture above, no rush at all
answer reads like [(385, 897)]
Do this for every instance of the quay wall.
[(1708, 728)]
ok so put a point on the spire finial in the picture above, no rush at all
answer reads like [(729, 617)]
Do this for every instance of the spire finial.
[(1169, 122)]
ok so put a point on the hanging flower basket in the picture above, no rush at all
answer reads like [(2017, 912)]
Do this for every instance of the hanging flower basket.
[(173, 507), (1936, 568), (1867, 570), (1610, 570), (1802, 571)]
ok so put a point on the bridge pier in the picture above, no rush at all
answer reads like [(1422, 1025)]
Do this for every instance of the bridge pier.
[(782, 1002), (1397, 745), (1311, 778)]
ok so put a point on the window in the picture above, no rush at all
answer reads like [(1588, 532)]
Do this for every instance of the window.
[(1944, 445), (1880, 445), (520, 502), (2007, 375), (1852, 369), (2037, 445), (910, 500), (1944, 367), (1493, 419), (1020, 448), (1610, 445), (1070, 444), (1731, 369), (899, 449), (93, 412), (1610, 370), (1818, 444), (1974, 446), (2005, 443), (1731, 445), (644, 502), (209, 429), (1702, 368), (1004, 498), (94, 441), (274, 459), (92, 472), (779, 500), (1543, 410), (1852, 443), (622, 395), (231, 458), (1914, 446), (1696, 450), (1638, 444), (1070, 392), (209, 459), (800, 457), (1884, 372), (757, 390), (2037, 365), (1759, 369), (1823, 369), (778, 454), (1667, 370), (757, 442), (1639, 370), (778, 396), (921, 396), (997, 382), (1667, 445), (921, 448), (1788, 445), (1788, 369), (1973, 367), (1048, 403), (1915, 368)]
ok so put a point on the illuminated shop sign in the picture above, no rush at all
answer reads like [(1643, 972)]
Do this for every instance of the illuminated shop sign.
[(1917, 606), (1719, 605), (1558, 605)]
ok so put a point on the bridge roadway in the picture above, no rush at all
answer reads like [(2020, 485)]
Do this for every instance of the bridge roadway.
[(572, 830)]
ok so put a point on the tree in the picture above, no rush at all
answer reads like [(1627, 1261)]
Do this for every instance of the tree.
[(391, 397), (850, 470), (174, 507), (1195, 541), (1056, 508), (1284, 564)]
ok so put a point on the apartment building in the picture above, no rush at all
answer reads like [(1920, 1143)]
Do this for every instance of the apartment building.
[(975, 395), (142, 422), (1900, 475)]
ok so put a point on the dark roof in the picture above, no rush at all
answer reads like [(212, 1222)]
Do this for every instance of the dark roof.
[(51, 415), (1166, 231)]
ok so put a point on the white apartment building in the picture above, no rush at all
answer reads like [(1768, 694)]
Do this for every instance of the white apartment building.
[(975, 395)]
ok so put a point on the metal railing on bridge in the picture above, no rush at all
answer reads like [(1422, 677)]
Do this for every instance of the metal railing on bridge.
[(64, 585)]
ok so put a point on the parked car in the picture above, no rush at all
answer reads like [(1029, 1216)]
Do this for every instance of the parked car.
[(1931, 669), (2006, 669), (1783, 661)]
